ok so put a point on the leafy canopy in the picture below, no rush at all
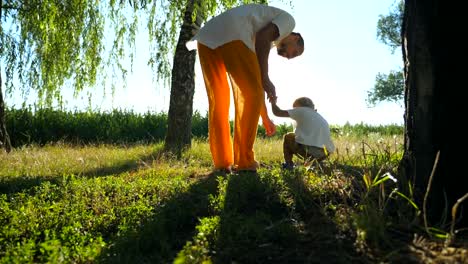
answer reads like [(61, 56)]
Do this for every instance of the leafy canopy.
[(47, 45), (389, 27), (388, 87)]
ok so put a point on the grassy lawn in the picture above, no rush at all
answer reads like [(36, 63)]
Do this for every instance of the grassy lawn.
[(135, 204)]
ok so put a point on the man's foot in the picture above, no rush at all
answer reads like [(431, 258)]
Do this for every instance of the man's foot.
[(227, 170), (252, 168)]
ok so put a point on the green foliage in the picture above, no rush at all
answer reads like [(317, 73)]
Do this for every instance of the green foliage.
[(281, 130), (49, 44), (388, 87), (389, 27), (361, 129), (48, 125), (200, 125)]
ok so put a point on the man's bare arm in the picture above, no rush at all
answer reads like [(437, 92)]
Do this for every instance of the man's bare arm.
[(263, 40)]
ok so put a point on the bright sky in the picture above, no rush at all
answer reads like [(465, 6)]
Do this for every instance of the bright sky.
[(341, 59)]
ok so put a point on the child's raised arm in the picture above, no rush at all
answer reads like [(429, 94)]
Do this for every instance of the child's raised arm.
[(278, 111)]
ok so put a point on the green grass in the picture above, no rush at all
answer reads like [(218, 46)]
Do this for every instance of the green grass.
[(134, 204)]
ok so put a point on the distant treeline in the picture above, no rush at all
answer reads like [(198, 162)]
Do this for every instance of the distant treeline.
[(47, 125)]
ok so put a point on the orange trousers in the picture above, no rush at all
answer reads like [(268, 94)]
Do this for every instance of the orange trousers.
[(236, 61)]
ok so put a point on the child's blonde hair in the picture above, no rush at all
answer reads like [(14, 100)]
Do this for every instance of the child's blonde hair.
[(304, 102)]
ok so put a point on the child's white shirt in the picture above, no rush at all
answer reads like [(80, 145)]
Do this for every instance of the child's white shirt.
[(311, 128)]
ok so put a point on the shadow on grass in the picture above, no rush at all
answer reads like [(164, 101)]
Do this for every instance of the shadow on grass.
[(262, 224), (10, 185), (321, 239), (126, 166), (159, 238), (255, 225)]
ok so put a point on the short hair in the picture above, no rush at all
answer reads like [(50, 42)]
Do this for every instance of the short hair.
[(304, 102), (300, 40)]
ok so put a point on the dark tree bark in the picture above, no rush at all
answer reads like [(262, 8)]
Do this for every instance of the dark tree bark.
[(179, 129), (431, 104), (4, 138)]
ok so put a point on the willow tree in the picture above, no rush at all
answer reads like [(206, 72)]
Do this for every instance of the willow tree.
[(431, 161), (51, 45), (47, 43)]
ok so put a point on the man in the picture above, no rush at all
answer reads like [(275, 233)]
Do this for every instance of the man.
[(238, 42)]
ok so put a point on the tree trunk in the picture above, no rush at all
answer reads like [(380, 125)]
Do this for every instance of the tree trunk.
[(429, 104), (179, 129), (4, 138)]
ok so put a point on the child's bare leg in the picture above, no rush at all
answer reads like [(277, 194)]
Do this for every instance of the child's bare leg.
[(289, 147)]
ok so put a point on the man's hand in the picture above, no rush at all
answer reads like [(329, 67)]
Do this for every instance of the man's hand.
[(270, 128), (270, 90)]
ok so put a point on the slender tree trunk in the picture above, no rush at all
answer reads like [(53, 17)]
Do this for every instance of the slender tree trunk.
[(179, 130), (430, 103), (4, 138)]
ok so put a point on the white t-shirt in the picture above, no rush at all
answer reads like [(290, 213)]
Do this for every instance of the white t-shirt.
[(242, 23), (311, 128)]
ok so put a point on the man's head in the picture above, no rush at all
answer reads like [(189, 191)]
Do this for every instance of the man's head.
[(291, 46), (304, 102)]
